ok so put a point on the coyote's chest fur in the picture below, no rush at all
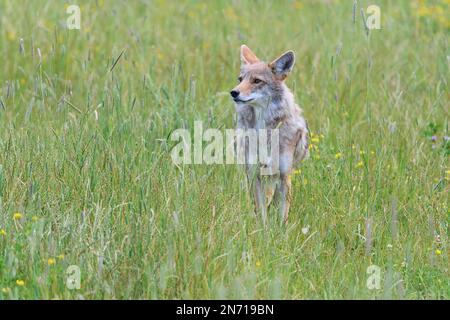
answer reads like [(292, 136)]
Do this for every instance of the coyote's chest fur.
[(259, 118), (285, 117)]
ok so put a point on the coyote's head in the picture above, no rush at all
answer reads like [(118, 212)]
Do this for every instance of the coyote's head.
[(260, 82)]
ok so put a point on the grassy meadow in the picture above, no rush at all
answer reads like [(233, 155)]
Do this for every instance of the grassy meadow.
[(86, 176)]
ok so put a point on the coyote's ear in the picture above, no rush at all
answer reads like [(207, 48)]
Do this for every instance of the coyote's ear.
[(247, 56), (283, 65)]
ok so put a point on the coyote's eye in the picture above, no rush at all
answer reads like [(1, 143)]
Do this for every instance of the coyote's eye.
[(240, 79), (256, 80)]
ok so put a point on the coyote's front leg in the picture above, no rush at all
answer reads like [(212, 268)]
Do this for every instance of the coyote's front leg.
[(257, 191), (260, 199), (284, 196)]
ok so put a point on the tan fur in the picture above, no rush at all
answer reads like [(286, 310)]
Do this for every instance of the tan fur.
[(267, 103)]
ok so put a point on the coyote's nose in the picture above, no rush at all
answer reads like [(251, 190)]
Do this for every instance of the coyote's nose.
[(234, 93)]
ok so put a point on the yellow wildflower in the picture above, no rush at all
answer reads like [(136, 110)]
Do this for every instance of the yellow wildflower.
[(423, 11), (297, 5), (360, 164), (437, 10), (11, 35), (444, 21), (2, 232), (61, 257), (17, 216), (230, 14), (51, 261), (258, 263), (20, 283), (438, 252), (447, 175), (35, 218), (338, 155), (6, 290)]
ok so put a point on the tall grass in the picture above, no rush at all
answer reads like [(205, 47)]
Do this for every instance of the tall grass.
[(85, 154)]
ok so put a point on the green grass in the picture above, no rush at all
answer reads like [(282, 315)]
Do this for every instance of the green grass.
[(85, 155)]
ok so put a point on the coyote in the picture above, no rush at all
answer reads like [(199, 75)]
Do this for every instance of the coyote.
[(263, 101)]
